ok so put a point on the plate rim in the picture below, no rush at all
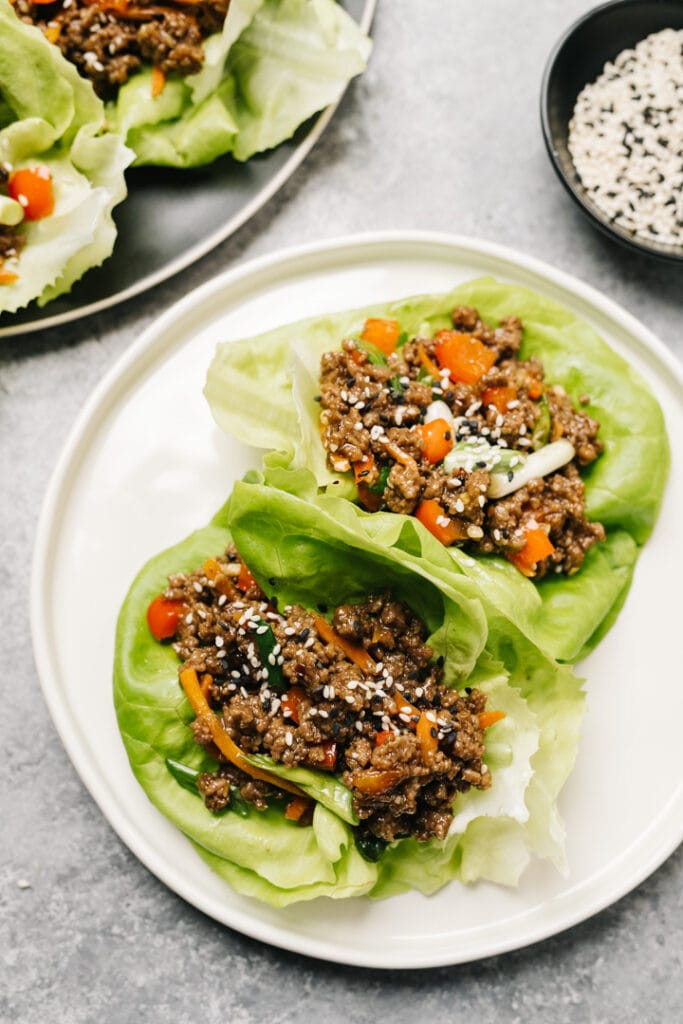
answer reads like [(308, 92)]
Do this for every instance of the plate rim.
[(76, 446), (212, 241)]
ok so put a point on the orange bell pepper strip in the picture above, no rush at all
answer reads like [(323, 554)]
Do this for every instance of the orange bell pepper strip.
[(358, 655), (489, 718), (534, 388), (158, 81), (465, 357), (500, 397), (296, 808), (246, 581), (438, 439), (226, 745), (429, 364), (7, 277), (429, 513), (537, 547), (291, 702), (383, 334), (330, 752), (372, 782), (427, 737)]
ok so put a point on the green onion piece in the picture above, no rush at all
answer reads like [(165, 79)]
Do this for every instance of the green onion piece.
[(266, 643), (402, 339), (184, 775), (375, 355), (381, 485), (541, 432), (470, 455), (237, 803), (396, 386)]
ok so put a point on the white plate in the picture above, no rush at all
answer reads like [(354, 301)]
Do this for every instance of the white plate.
[(171, 218), (145, 465)]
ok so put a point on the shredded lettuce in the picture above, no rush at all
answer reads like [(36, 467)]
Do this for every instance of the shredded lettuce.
[(275, 64), (270, 402), (51, 116), (306, 553)]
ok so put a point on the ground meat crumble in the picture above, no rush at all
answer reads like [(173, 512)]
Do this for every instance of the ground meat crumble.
[(310, 704), (372, 411), (109, 40)]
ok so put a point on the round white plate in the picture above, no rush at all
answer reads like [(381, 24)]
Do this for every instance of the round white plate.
[(145, 465), (171, 218)]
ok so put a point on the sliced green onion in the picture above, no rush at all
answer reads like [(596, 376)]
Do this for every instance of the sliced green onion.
[(541, 432), (478, 454), (266, 642), (539, 464)]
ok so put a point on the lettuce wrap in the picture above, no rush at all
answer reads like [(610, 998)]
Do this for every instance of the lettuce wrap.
[(51, 118), (275, 64), (303, 554), (269, 400)]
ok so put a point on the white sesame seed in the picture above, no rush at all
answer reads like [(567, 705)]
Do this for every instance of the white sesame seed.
[(219, 641), (289, 739)]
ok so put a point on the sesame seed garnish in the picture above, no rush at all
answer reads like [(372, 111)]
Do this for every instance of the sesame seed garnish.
[(289, 739)]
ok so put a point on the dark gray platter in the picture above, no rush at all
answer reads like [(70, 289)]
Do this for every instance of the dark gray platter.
[(173, 217)]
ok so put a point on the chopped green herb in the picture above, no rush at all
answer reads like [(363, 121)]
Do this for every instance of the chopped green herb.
[(541, 432), (266, 643), (380, 486), (183, 774), (402, 339), (375, 355)]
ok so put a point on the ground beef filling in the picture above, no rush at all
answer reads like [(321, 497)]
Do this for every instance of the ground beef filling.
[(317, 708), (370, 412), (109, 40)]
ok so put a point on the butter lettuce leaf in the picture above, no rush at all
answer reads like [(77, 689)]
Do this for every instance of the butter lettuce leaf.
[(262, 390)]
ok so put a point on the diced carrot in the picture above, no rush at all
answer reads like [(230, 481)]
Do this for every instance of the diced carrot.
[(163, 616), (383, 334), (373, 782), (535, 388), (429, 364), (427, 737), (296, 808), (438, 439), (246, 581), (53, 32), (382, 737), (7, 277), (158, 81), (489, 718), (354, 652), (500, 397), (363, 468), (32, 187), (537, 547), (432, 516), (465, 357)]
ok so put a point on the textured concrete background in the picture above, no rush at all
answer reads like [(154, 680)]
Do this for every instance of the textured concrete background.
[(441, 133)]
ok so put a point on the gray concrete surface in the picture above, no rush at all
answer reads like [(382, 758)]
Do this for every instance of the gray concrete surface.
[(441, 133)]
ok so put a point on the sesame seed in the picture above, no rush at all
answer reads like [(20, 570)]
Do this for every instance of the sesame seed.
[(219, 641), (289, 739)]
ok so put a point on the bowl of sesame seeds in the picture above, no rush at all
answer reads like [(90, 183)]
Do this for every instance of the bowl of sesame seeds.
[(612, 118)]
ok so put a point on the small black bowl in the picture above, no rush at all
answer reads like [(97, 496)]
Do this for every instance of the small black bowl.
[(578, 58)]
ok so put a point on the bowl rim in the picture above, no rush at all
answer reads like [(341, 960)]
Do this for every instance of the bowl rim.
[(675, 255)]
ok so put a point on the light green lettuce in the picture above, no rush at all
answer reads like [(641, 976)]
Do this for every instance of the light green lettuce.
[(306, 554), (50, 116), (275, 64), (269, 401)]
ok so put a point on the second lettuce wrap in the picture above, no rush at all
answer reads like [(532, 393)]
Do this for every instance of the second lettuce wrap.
[(301, 554), (262, 391)]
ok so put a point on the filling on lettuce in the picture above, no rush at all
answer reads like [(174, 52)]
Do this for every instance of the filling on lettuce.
[(360, 696), (454, 428), (110, 40)]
